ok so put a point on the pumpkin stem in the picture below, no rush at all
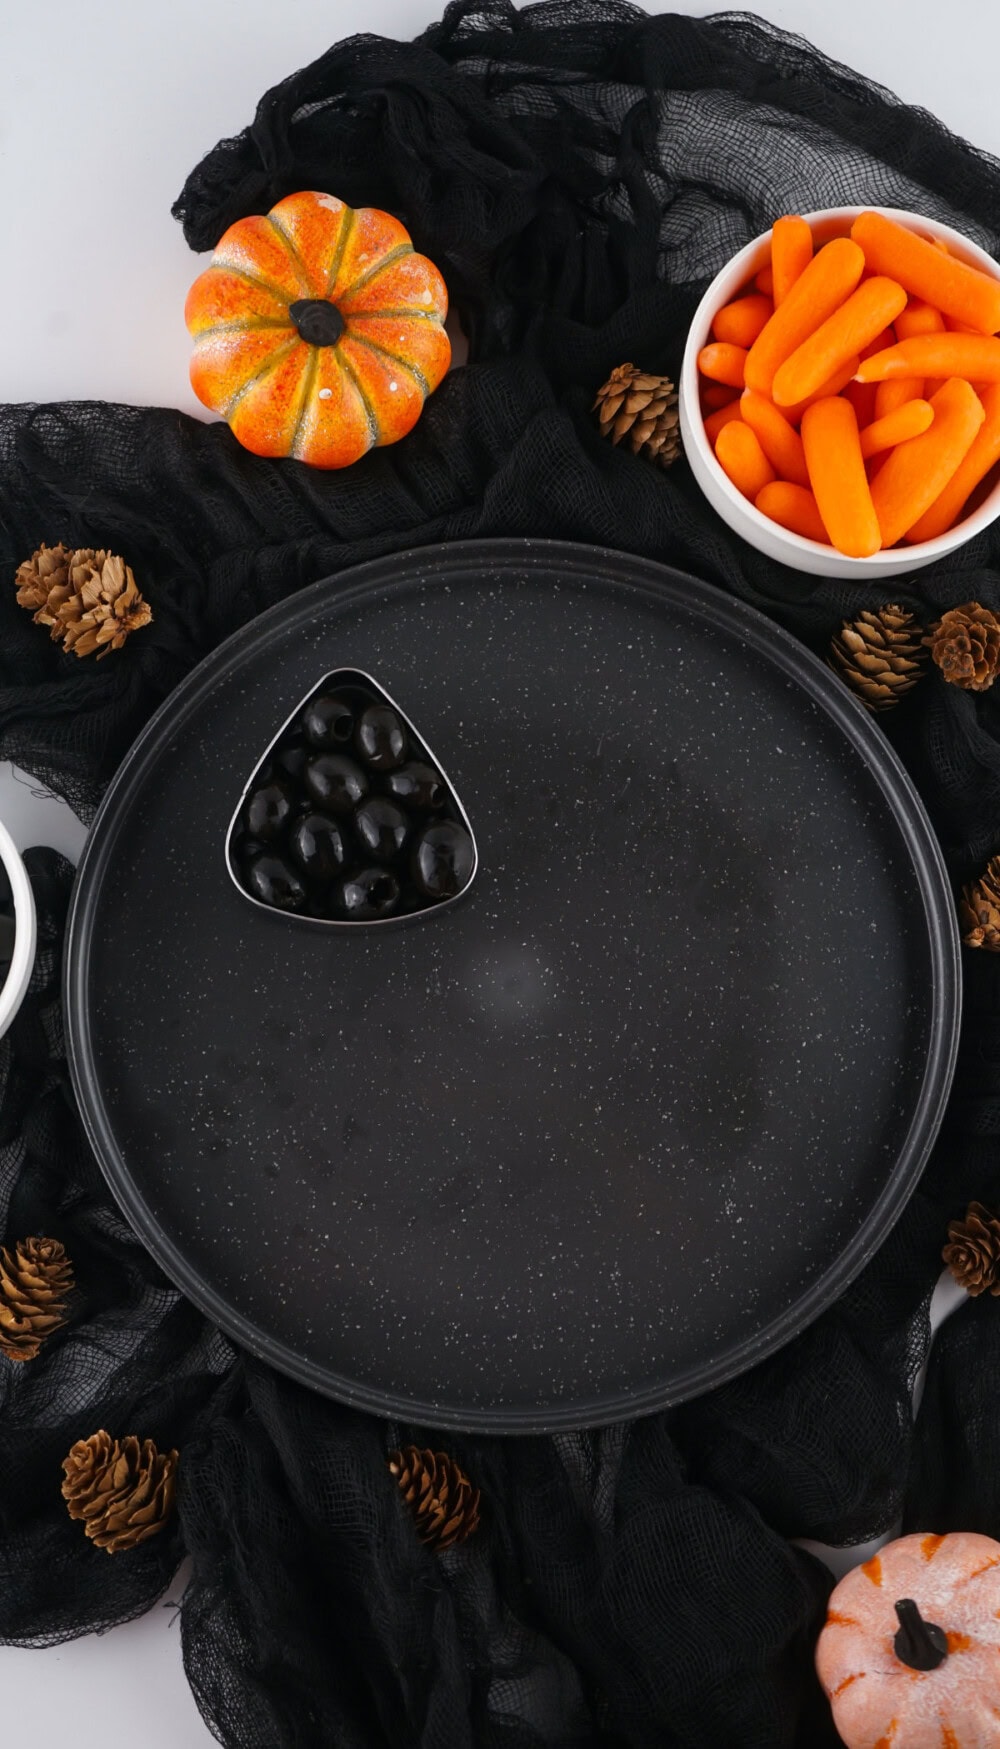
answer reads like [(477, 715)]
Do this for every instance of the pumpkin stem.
[(919, 1643), (318, 322)]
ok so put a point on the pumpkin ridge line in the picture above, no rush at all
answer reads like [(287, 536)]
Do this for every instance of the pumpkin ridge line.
[(251, 382), (404, 364), (238, 326), (346, 231), (267, 285), (402, 313), (308, 378), (371, 273), (296, 260), (346, 367)]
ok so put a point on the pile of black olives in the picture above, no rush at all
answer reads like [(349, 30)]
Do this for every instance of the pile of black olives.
[(349, 820), (7, 929)]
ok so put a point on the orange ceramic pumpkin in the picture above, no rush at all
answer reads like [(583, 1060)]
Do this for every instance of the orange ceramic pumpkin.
[(910, 1654), (318, 330)]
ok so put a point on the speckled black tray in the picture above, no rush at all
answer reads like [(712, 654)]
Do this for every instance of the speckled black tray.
[(610, 1129)]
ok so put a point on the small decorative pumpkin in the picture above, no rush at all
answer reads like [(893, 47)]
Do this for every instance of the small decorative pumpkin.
[(318, 330), (910, 1654)]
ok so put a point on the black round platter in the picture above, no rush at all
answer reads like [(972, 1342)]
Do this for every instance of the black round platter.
[(616, 1122)]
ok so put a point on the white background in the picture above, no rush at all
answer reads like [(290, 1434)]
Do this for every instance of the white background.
[(105, 105)]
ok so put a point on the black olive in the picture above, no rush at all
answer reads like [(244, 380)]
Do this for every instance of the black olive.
[(269, 810), (371, 892), (381, 738), (290, 761), (336, 782), (319, 846), (381, 828), (275, 882), (443, 860), (417, 786), (328, 721)]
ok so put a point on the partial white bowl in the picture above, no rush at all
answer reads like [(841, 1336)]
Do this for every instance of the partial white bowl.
[(742, 516), (19, 976)]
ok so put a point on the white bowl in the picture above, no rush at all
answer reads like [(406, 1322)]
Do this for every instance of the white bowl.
[(19, 975), (742, 516)]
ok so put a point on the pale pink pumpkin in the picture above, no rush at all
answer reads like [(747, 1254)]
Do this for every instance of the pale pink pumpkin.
[(948, 1588)]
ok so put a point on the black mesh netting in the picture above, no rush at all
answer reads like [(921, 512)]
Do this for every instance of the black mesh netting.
[(578, 170)]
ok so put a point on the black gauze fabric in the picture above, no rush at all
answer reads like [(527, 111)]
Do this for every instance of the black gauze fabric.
[(578, 171)]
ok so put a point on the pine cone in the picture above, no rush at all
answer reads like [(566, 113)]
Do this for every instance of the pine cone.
[(973, 1250), (965, 644), (979, 909), (34, 1278), (122, 1491), (642, 408), (47, 569), (444, 1504), (89, 600), (880, 655)]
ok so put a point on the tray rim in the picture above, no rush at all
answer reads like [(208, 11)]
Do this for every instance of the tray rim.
[(643, 577)]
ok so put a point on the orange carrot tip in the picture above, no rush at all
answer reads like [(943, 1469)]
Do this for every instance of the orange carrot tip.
[(723, 416), (917, 472), (928, 272), (935, 355), (837, 476), (894, 393), (740, 455), (723, 363), (833, 386), (794, 507), (739, 323), (909, 420), (791, 253), (918, 318)]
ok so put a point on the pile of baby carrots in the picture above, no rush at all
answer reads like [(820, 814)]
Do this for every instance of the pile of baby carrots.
[(852, 392)]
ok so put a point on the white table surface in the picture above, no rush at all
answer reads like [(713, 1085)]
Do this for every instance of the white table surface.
[(104, 108)]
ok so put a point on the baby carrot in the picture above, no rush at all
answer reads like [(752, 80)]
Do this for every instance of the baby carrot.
[(715, 421), (740, 454), (837, 476), (985, 452), (820, 289), (862, 399), (918, 471), (716, 395), (895, 393), (791, 253), (929, 273), (864, 315), (723, 363), (764, 280), (910, 420), (918, 318), (832, 387), (740, 323), (794, 507), (935, 355), (780, 441)]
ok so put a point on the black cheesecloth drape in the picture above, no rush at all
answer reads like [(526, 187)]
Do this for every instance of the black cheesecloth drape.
[(578, 171)]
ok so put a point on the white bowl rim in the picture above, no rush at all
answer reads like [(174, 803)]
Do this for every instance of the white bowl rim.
[(19, 973), (888, 559)]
